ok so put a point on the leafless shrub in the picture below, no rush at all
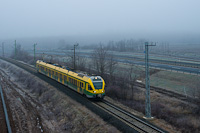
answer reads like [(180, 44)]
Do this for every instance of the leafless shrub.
[(81, 63), (113, 91), (67, 127), (38, 88), (188, 124), (3, 65), (47, 96)]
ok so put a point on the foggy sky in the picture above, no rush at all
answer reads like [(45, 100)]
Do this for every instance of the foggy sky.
[(43, 18)]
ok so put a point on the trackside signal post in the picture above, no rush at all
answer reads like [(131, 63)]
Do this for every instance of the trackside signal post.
[(147, 100)]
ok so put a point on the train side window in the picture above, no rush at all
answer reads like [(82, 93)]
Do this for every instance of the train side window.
[(89, 87)]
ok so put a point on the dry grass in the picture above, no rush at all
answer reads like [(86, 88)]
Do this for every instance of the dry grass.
[(58, 111), (176, 82)]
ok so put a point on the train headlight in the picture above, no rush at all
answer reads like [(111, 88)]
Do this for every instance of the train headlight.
[(102, 90), (94, 91)]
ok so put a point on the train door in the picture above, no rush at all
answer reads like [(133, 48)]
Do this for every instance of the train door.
[(82, 85), (58, 77), (44, 70), (49, 72), (81, 90), (39, 68), (61, 79), (65, 80)]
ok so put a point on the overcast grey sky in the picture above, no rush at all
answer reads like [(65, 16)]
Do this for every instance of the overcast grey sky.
[(42, 18)]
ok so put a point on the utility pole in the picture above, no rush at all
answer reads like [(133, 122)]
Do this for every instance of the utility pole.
[(147, 100), (34, 51), (75, 45), (15, 49), (3, 49)]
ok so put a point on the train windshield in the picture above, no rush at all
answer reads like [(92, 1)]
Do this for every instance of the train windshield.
[(98, 85)]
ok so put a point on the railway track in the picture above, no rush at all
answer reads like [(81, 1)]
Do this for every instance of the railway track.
[(126, 117), (133, 121), (170, 93), (4, 119)]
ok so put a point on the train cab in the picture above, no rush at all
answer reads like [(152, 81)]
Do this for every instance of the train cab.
[(96, 87)]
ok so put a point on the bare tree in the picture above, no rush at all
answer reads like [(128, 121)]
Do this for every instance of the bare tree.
[(112, 65), (20, 54), (81, 63), (99, 57), (132, 80)]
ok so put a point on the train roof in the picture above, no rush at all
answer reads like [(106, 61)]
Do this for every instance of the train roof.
[(59, 68)]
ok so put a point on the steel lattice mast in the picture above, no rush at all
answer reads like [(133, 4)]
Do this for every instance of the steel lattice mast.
[(147, 100)]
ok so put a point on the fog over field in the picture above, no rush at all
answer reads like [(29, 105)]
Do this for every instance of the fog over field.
[(46, 22)]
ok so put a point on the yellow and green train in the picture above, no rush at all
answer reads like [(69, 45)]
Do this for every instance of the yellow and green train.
[(90, 86)]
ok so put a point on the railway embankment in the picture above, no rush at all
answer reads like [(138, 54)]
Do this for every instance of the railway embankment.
[(37, 106)]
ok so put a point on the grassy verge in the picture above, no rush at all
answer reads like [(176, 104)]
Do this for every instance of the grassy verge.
[(179, 82)]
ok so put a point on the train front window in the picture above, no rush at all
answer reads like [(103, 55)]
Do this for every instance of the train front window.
[(98, 85)]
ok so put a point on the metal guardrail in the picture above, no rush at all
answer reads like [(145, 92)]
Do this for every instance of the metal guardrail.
[(5, 111)]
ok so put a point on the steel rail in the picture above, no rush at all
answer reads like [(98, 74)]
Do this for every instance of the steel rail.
[(5, 111), (122, 118), (170, 93), (132, 116)]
